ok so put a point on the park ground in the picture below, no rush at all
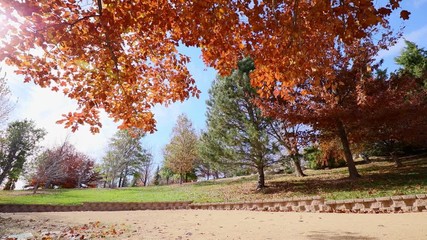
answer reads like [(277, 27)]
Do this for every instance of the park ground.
[(380, 178), (214, 224)]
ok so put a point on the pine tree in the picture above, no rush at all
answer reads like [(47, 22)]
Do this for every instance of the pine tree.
[(236, 129)]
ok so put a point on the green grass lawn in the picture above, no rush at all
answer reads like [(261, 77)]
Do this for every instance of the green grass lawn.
[(379, 178)]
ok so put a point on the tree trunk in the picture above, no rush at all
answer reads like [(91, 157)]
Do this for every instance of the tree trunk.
[(261, 178), (47, 184), (6, 170), (9, 185), (352, 170), (36, 187), (120, 181), (181, 178), (396, 159), (79, 182), (297, 167)]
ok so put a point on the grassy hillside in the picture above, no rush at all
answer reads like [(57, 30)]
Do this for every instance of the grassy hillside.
[(380, 178)]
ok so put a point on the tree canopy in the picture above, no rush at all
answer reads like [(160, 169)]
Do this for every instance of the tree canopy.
[(122, 57)]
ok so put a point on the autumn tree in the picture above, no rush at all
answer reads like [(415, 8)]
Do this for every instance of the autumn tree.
[(125, 157), (63, 166), (288, 128), (17, 143), (401, 99), (293, 138), (123, 58), (180, 153), (236, 126)]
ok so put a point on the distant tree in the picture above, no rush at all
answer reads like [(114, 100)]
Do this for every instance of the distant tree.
[(65, 167), (125, 157), (141, 170), (166, 173), (5, 105), (17, 143), (180, 153), (236, 128), (157, 177), (413, 60)]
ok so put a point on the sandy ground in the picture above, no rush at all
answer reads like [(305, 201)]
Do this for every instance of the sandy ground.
[(204, 224)]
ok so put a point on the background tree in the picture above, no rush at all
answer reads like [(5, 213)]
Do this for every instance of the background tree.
[(124, 58), (157, 177), (292, 137), (5, 105), (17, 143), (235, 125), (180, 153), (125, 157), (142, 171), (400, 121), (413, 61), (166, 173), (65, 167)]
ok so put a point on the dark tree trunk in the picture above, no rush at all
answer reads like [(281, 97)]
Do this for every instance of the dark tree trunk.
[(120, 181), (181, 178), (261, 178), (145, 180), (6, 170), (297, 167), (36, 187), (352, 170), (124, 177), (10, 185), (47, 184), (79, 182), (167, 180)]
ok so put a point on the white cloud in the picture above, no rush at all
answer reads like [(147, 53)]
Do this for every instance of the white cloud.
[(45, 107)]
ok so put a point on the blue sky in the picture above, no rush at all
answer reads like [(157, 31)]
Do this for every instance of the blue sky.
[(45, 107)]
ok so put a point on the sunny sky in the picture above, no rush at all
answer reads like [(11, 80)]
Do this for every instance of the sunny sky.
[(45, 107)]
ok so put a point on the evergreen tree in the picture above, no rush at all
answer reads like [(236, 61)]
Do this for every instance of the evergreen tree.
[(236, 130), (413, 60), (157, 176)]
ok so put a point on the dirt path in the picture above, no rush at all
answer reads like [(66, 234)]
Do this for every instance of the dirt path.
[(203, 224)]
